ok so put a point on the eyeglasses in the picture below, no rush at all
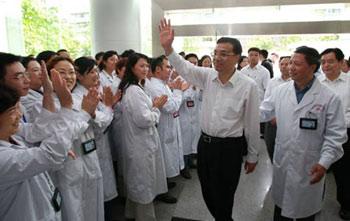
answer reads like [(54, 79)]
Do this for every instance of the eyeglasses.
[(222, 55), (21, 76)]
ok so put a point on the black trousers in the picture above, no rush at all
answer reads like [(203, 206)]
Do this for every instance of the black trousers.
[(219, 168), (270, 137), (278, 217), (342, 177)]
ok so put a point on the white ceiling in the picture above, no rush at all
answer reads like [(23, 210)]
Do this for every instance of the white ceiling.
[(196, 4)]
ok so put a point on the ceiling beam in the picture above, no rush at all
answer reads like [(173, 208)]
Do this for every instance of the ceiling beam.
[(322, 27), (200, 4)]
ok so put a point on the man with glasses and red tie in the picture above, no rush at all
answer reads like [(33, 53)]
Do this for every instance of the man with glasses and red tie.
[(230, 114)]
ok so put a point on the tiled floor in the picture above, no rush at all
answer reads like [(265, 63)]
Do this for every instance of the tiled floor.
[(252, 200)]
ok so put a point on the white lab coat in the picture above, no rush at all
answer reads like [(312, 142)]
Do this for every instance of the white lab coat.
[(100, 124), (26, 189), (28, 102), (115, 137), (169, 127), (189, 119), (144, 171), (297, 150), (112, 80), (80, 180)]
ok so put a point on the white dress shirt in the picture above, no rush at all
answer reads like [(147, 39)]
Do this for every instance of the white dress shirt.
[(341, 86), (260, 75), (227, 109)]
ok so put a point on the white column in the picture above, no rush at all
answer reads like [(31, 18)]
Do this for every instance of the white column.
[(115, 25), (157, 15), (11, 34)]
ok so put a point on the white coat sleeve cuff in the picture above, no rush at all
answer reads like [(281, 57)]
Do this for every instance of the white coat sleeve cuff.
[(325, 162), (177, 92), (85, 116), (45, 113), (252, 158)]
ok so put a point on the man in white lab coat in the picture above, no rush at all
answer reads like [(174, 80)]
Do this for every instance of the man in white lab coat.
[(169, 124), (310, 131), (332, 60)]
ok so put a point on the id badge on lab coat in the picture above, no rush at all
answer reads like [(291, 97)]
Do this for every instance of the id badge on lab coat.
[(308, 123), (190, 103), (89, 146)]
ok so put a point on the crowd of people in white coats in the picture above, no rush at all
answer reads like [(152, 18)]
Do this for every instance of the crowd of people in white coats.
[(75, 134)]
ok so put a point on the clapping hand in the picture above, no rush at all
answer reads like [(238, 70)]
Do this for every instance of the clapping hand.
[(159, 102), (60, 86)]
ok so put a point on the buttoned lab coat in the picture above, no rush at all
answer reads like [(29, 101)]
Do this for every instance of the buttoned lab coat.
[(189, 120), (104, 117), (80, 180), (26, 189), (297, 150), (169, 126), (144, 171)]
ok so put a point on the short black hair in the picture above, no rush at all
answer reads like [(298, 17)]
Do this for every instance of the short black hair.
[(8, 98), (127, 53), (84, 65), (264, 53), (7, 59), (26, 60), (99, 55), (311, 55), (236, 45), (182, 53), (157, 62), (62, 50), (45, 56), (254, 49), (191, 55), (339, 55)]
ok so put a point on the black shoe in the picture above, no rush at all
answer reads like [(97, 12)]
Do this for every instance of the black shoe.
[(185, 173), (344, 214), (166, 198), (171, 185)]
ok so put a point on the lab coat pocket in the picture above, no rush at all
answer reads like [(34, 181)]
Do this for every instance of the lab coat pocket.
[(72, 172)]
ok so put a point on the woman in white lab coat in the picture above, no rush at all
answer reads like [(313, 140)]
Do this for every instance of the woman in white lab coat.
[(26, 190), (108, 76), (79, 180), (144, 171), (87, 75), (303, 149)]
